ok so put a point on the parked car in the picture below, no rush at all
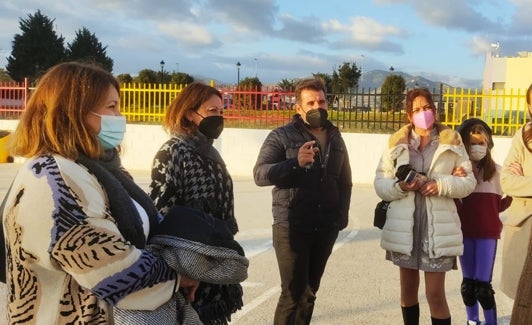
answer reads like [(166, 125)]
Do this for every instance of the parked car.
[(363, 108), (272, 101), (228, 101)]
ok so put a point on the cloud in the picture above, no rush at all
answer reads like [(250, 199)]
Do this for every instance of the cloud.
[(366, 33), (521, 21), (480, 45), (458, 14), (145, 10), (466, 15), (189, 35), (306, 30), (246, 16), (486, 22), (208, 37)]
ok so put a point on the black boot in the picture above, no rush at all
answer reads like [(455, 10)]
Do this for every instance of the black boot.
[(439, 321), (411, 315)]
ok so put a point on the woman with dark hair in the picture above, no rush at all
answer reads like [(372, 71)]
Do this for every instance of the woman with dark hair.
[(481, 225), (516, 181), (422, 230), (187, 170)]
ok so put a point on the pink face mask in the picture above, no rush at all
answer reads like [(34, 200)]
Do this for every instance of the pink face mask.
[(424, 120)]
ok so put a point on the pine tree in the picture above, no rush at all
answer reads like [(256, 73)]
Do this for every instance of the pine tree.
[(147, 76), (346, 79), (124, 78), (344, 82), (36, 49), (86, 47), (181, 78), (392, 91), (327, 79)]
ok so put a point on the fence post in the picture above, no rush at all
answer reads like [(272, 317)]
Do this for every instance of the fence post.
[(26, 92), (440, 110)]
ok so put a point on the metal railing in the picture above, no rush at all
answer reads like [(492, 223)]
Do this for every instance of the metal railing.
[(504, 110), (13, 98), (363, 110), (146, 103)]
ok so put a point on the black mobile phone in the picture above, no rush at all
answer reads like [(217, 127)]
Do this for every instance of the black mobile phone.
[(410, 177), (309, 165)]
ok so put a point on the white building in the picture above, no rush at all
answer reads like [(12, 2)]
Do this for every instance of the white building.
[(511, 73), (508, 79)]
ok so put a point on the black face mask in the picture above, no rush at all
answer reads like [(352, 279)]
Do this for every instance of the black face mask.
[(211, 126), (317, 117)]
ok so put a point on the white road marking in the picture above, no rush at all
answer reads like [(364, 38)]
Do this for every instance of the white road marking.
[(248, 307), (254, 303), (257, 249), (248, 284), (352, 234)]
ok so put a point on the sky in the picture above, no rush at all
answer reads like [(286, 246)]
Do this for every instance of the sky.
[(439, 40)]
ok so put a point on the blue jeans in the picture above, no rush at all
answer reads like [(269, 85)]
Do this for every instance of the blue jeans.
[(301, 258)]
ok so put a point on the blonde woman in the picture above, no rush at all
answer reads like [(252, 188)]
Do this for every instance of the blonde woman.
[(516, 181)]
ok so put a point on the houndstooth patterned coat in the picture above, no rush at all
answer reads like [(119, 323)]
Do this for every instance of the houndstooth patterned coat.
[(187, 170)]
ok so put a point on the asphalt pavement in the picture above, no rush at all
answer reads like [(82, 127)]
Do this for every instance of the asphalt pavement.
[(359, 285)]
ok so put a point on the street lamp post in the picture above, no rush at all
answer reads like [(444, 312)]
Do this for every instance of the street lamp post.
[(256, 66), (162, 70), (238, 73), (361, 68)]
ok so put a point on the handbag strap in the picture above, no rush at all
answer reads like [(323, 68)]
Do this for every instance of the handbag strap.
[(3, 264)]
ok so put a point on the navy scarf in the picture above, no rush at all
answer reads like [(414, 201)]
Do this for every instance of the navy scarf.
[(120, 189)]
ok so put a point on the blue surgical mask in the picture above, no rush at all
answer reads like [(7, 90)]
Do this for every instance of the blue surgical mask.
[(112, 130)]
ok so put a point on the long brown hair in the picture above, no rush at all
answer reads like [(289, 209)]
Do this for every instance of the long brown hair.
[(189, 99), (487, 164), (54, 120)]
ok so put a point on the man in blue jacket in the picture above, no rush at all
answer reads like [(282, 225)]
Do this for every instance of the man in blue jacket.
[(306, 161)]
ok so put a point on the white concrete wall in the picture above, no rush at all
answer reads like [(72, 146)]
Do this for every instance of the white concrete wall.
[(240, 147)]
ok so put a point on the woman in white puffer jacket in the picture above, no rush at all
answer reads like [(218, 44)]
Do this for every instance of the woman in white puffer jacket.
[(422, 230)]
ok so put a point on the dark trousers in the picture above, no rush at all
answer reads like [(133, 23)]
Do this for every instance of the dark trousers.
[(301, 258)]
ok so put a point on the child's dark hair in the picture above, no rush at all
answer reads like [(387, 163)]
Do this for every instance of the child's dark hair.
[(478, 127)]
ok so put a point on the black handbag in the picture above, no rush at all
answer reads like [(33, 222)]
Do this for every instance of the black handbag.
[(380, 214)]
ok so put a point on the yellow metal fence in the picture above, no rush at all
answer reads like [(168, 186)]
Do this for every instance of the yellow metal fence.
[(504, 110), (361, 111), (146, 102)]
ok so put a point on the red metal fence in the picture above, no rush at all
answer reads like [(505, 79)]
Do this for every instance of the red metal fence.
[(13, 98), (265, 107)]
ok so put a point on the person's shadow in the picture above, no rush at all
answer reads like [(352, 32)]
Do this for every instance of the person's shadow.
[(504, 320)]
